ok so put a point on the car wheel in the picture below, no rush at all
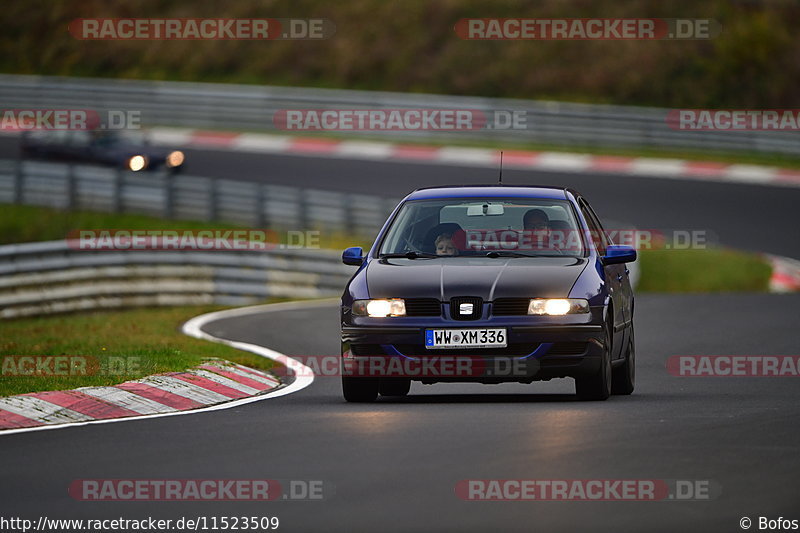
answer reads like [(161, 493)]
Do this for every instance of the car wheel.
[(394, 386), (624, 376), (360, 390), (598, 386)]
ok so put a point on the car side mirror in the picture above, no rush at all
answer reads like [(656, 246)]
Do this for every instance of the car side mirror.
[(353, 256), (617, 254)]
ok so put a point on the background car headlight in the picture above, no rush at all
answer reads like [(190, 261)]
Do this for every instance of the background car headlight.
[(557, 306), (379, 308), (175, 159), (137, 162)]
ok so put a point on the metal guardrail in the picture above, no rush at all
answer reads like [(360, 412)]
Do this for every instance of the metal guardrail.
[(250, 107), (54, 277), (191, 198)]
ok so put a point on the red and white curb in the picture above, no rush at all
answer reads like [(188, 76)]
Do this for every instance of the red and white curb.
[(212, 386), (481, 157), (209, 384), (785, 274)]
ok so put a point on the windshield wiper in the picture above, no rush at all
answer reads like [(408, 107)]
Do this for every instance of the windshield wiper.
[(409, 255), (508, 253)]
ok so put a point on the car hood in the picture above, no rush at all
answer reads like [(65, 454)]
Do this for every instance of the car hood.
[(447, 277)]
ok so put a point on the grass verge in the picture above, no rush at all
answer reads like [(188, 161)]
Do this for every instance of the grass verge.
[(708, 270), (126, 345), (25, 223)]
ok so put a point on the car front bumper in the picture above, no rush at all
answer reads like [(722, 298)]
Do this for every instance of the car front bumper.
[(533, 352)]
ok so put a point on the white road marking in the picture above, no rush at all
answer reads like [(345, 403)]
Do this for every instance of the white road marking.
[(467, 156), (658, 167), (365, 150), (563, 161), (750, 173), (177, 136), (257, 142)]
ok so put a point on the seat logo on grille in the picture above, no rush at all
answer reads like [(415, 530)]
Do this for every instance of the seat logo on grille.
[(465, 309)]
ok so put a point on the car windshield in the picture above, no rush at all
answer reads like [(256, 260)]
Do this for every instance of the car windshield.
[(469, 227)]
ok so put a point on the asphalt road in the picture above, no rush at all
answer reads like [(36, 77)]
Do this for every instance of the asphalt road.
[(393, 465)]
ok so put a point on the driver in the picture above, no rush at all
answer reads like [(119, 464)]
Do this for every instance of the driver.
[(535, 220), (536, 224)]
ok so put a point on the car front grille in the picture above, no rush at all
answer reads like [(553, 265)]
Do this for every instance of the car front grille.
[(510, 306), (423, 307)]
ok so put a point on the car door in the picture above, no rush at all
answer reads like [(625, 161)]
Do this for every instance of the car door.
[(615, 276)]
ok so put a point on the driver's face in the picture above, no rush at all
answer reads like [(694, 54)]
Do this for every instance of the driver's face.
[(536, 223)]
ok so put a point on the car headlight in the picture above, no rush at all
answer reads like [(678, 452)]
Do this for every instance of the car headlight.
[(137, 162), (175, 159), (557, 306), (380, 308)]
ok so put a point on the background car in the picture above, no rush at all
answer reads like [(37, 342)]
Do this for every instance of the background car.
[(556, 297), (109, 148)]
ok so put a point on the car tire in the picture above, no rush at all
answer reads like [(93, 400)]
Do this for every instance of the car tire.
[(624, 376), (597, 387), (394, 386), (360, 390)]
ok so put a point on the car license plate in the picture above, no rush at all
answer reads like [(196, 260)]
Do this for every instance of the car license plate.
[(465, 338)]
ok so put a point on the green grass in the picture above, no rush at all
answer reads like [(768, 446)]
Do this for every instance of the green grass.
[(708, 270), (24, 223), (150, 340)]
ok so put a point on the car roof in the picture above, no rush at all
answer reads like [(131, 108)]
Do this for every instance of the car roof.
[(490, 191)]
